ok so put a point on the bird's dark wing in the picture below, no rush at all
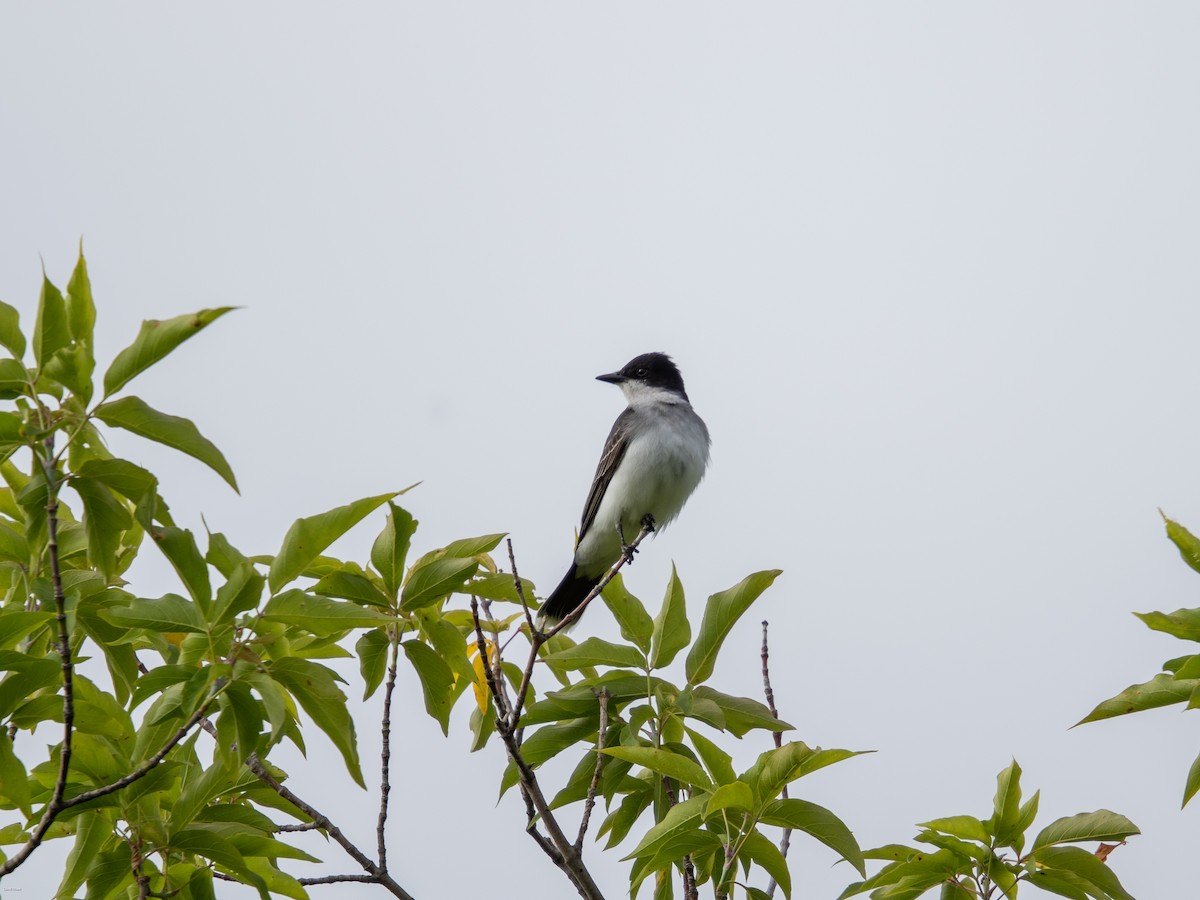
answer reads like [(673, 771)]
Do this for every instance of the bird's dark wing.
[(614, 450)]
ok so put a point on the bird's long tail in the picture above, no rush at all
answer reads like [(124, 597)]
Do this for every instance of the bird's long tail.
[(571, 591)]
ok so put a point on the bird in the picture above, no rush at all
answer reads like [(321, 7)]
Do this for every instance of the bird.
[(655, 456)]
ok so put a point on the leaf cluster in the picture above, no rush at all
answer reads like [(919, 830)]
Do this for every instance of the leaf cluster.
[(965, 857), (1179, 682), (661, 769)]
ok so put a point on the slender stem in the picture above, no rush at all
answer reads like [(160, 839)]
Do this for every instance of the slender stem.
[(337, 879), (385, 788), (379, 876), (590, 801), (56, 804), (555, 843), (785, 842)]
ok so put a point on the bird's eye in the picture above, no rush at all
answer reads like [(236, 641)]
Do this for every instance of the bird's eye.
[(640, 373)]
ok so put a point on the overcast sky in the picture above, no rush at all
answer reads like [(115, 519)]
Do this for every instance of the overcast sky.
[(929, 269)]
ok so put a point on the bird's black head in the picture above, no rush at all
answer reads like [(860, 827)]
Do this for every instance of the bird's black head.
[(653, 370)]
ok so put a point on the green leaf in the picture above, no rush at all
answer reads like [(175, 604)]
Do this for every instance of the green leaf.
[(92, 831), (498, 586), (664, 762), (680, 819), (308, 537), (762, 851), (1007, 804), (134, 415), (740, 714), (432, 580), (597, 652), (966, 827), (1188, 544), (1161, 690), (320, 615), (13, 378), (1084, 865), (1183, 623), (110, 869), (1101, 825), (131, 482), (636, 625), (179, 547), (717, 761), (315, 687), (818, 822), (775, 769), (473, 546), (720, 614), (241, 591), (671, 629), (105, 519), (72, 367), (391, 547), (210, 845), (50, 332), (10, 330), (168, 613), (372, 652), (437, 681), (154, 341), (81, 309), (14, 783), (350, 585), (735, 795), (1193, 782), (550, 741)]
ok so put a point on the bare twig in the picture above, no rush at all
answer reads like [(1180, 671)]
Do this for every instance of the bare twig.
[(512, 561), (303, 826), (555, 843), (337, 879), (378, 875), (56, 805), (786, 841), (385, 784), (590, 801)]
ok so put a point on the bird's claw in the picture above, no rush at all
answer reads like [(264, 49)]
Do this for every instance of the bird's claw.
[(627, 549), (648, 522)]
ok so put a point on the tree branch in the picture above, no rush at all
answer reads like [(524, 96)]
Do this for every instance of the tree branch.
[(55, 805), (590, 801), (555, 845), (385, 784), (786, 841), (378, 875)]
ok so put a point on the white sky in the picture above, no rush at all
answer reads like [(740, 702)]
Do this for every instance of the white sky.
[(929, 270)]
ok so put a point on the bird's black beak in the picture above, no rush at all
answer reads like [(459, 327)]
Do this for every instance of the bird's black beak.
[(611, 378)]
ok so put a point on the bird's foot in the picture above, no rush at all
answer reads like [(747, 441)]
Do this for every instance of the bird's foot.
[(627, 550), (648, 522)]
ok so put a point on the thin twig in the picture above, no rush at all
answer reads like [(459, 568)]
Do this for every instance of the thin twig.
[(55, 805), (555, 844), (385, 784), (512, 561), (537, 638), (786, 841), (379, 876), (337, 879), (303, 826), (590, 801)]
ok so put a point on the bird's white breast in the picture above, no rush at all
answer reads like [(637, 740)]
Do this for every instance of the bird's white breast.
[(663, 464)]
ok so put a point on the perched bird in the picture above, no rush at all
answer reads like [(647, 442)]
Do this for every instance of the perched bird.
[(653, 459)]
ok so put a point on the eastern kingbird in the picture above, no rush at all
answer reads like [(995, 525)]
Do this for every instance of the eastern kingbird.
[(653, 459)]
